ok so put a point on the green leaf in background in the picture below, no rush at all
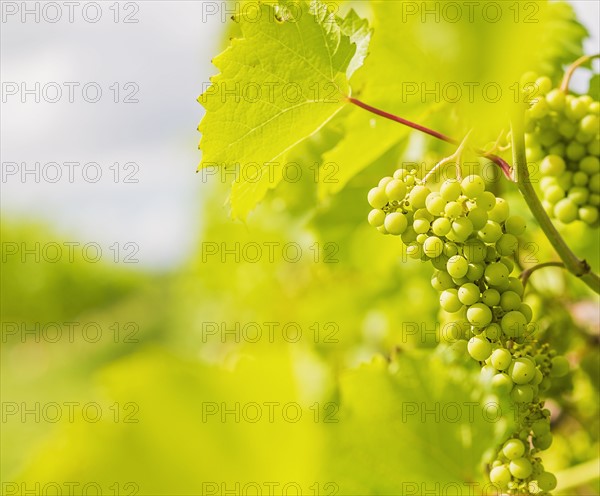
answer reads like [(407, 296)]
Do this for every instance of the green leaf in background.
[(278, 84), (420, 428), (184, 428)]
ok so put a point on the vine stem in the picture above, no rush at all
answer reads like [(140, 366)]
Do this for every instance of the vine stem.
[(577, 267), (564, 85), (526, 274), (494, 158)]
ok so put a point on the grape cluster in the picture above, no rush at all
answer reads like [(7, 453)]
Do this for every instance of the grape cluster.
[(471, 239), (562, 136)]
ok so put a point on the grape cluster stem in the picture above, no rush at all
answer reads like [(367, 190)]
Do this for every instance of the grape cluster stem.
[(564, 85)]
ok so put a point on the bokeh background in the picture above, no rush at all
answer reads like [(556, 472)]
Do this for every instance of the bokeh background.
[(117, 368)]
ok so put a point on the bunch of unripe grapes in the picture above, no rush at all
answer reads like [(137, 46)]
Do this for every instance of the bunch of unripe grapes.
[(562, 136), (471, 239)]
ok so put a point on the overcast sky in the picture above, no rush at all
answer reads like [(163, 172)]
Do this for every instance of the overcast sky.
[(142, 144)]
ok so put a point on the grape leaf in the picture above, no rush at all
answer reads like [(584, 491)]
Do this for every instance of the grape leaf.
[(279, 83), (420, 428)]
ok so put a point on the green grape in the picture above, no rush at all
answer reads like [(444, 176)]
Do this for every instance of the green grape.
[(441, 280), (520, 468), (565, 211), (474, 251), (395, 190), (560, 366), (453, 209), (507, 244), (441, 226), (556, 99), (414, 250), (395, 223), (538, 378), (513, 449), (440, 263), (525, 309), (486, 201), (575, 151), (475, 271), (491, 297), (578, 195), (383, 182), (487, 372), (491, 232), (540, 428), (575, 109), (479, 315), (565, 181), (589, 124), (468, 294), (421, 226), (493, 332), (588, 214), (513, 324), (435, 204), (418, 195), (510, 301), (522, 370), (449, 300), (553, 165), (515, 225), (554, 193), (539, 109), (546, 481), (457, 266), (459, 281), (500, 212), (409, 236), (501, 359), (377, 198), (450, 190), (502, 383), (400, 174), (422, 213), (522, 393), (544, 85), (479, 348), (543, 442), (580, 178), (478, 217), (594, 183), (515, 284), (462, 228), (496, 273), (450, 249), (433, 246), (473, 186), (376, 217), (500, 476), (590, 165)]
